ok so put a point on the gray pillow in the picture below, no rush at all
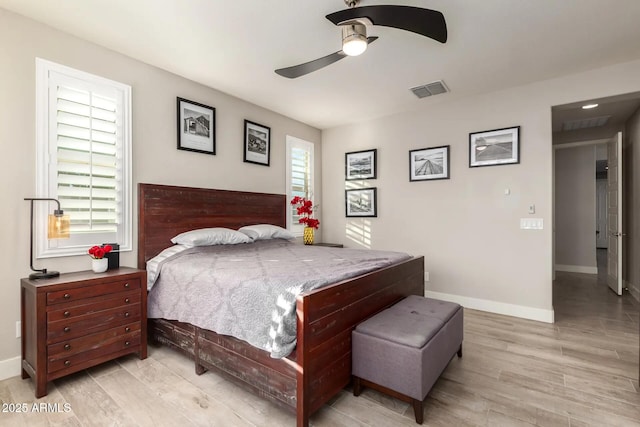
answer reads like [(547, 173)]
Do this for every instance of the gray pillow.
[(266, 231), (211, 236)]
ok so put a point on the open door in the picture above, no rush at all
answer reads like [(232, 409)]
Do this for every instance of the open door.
[(614, 227)]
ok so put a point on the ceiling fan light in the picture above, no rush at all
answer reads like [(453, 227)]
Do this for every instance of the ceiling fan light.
[(354, 47), (354, 39)]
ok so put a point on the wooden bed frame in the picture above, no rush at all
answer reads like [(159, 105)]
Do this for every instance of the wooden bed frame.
[(321, 364)]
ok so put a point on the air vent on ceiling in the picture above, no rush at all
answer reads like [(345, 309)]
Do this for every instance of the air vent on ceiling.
[(593, 122), (433, 88)]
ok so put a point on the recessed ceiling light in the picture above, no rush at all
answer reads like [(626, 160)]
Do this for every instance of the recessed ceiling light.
[(589, 106)]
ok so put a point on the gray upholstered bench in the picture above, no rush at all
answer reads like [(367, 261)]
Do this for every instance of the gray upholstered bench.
[(403, 350)]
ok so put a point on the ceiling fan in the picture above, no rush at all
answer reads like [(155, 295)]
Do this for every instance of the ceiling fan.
[(354, 22)]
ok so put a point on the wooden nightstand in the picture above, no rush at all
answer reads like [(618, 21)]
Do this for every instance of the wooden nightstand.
[(79, 320), (330, 245)]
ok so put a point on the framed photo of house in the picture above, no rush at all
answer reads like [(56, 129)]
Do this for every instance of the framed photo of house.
[(494, 147), (257, 143), (196, 127), (360, 164), (428, 164), (361, 202)]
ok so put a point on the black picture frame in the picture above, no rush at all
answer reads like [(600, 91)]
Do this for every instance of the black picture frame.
[(429, 164), (495, 147), (361, 165), (361, 203), (257, 143), (196, 126)]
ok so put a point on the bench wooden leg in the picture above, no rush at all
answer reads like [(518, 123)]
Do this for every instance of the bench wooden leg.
[(460, 351), (357, 386), (418, 410)]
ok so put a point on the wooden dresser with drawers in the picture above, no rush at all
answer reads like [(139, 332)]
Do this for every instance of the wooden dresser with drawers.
[(78, 320)]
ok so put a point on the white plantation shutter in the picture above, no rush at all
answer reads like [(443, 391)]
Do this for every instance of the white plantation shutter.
[(88, 164), (87, 161), (299, 177)]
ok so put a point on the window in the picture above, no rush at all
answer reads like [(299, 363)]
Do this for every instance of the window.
[(83, 146), (299, 178)]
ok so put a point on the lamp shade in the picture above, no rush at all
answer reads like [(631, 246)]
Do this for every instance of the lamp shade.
[(58, 226)]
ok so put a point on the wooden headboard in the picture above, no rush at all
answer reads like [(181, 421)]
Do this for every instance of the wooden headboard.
[(165, 211)]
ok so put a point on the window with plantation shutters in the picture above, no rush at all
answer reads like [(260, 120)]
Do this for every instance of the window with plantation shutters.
[(84, 157), (299, 177)]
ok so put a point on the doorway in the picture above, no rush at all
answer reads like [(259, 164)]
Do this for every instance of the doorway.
[(573, 127), (579, 131), (602, 169)]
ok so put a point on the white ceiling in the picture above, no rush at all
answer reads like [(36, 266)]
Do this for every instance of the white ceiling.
[(616, 109), (234, 46)]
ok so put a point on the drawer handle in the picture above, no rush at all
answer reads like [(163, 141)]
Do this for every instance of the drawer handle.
[(67, 346), (126, 285), (126, 300), (66, 314), (66, 296), (126, 314), (127, 343), (67, 363), (127, 329), (66, 329)]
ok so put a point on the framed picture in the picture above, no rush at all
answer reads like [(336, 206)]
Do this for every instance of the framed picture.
[(428, 164), (494, 147), (360, 164), (361, 203), (257, 143), (196, 127)]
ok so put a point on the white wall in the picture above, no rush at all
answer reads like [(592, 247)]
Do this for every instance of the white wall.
[(155, 157), (575, 198), (466, 227)]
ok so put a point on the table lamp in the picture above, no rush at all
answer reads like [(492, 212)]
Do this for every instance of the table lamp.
[(58, 228)]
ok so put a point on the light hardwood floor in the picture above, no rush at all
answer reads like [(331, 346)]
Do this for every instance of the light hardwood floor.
[(580, 371)]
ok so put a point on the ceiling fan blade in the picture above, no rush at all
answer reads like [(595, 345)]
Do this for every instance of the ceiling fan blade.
[(311, 66), (316, 64), (427, 22)]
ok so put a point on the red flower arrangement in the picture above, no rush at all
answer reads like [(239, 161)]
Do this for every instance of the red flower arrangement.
[(98, 252), (305, 209)]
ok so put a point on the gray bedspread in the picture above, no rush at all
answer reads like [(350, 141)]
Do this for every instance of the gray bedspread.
[(249, 290)]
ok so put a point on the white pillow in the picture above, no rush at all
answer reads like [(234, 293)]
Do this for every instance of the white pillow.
[(210, 236), (266, 231)]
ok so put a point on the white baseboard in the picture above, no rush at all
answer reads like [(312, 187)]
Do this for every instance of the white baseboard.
[(577, 269), (9, 368), (633, 290), (521, 311)]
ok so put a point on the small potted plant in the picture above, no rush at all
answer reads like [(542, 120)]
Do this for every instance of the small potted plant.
[(99, 263), (304, 208)]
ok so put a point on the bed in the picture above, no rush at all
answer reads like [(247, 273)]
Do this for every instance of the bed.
[(320, 365)]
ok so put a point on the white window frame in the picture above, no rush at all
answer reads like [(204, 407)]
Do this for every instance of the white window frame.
[(293, 142), (46, 182)]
